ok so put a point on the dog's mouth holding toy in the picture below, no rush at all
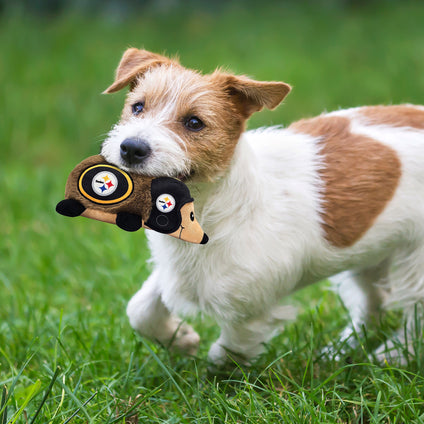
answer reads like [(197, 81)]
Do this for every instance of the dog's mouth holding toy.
[(186, 176), (98, 190)]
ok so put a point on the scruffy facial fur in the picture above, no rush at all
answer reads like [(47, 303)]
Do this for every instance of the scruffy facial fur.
[(339, 196), (171, 94)]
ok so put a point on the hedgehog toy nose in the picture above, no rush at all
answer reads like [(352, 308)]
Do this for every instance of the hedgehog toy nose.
[(134, 151)]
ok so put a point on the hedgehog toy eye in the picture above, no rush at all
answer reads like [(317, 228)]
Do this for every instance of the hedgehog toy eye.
[(192, 216)]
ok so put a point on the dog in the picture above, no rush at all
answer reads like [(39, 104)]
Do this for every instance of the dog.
[(341, 195)]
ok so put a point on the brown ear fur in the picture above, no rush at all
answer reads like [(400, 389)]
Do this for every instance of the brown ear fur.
[(251, 96), (135, 62)]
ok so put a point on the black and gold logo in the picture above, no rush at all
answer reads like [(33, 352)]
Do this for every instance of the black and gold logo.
[(105, 184)]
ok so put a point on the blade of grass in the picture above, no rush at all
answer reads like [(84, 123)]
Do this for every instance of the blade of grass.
[(15, 381), (79, 409), (167, 372), (3, 406), (35, 387), (62, 398), (46, 394), (134, 406)]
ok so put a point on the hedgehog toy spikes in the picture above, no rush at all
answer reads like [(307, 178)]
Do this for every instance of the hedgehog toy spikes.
[(98, 190)]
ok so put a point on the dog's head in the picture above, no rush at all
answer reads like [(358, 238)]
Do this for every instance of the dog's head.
[(179, 123)]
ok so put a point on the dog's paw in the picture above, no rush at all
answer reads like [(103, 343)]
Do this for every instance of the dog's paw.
[(186, 340), (217, 355), (331, 352), (391, 353), (346, 342), (220, 357)]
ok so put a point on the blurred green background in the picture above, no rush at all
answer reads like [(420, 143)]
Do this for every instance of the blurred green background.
[(64, 284), (56, 57), (335, 54)]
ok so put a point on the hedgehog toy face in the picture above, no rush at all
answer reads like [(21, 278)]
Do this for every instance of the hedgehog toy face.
[(98, 190)]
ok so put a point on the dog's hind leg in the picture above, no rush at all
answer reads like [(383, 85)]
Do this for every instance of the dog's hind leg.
[(150, 317), (362, 294), (406, 284)]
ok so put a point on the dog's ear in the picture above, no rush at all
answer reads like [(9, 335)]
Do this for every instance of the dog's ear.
[(135, 62), (251, 96)]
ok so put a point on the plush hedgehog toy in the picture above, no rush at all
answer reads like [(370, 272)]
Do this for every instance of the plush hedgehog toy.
[(98, 190)]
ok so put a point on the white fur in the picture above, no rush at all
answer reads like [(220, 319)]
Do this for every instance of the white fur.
[(168, 156), (263, 221)]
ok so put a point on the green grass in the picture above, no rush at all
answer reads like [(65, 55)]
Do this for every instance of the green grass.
[(67, 352)]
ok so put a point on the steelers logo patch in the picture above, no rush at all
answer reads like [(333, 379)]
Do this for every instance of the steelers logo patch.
[(105, 184), (165, 203)]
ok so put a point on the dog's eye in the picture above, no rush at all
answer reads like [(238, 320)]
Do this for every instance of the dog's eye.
[(193, 123), (192, 216), (137, 108)]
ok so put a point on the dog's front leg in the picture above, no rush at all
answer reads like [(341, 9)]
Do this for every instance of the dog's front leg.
[(241, 341), (235, 344), (150, 317)]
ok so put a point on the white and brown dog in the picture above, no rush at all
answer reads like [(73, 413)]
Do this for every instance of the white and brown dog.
[(342, 193)]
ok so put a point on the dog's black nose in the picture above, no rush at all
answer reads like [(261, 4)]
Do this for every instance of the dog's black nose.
[(134, 150)]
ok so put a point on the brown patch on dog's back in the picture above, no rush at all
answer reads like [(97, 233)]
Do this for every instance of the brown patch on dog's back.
[(396, 116), (360, 176)]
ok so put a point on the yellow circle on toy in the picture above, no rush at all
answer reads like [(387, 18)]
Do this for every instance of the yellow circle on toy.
[(105, 184)]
